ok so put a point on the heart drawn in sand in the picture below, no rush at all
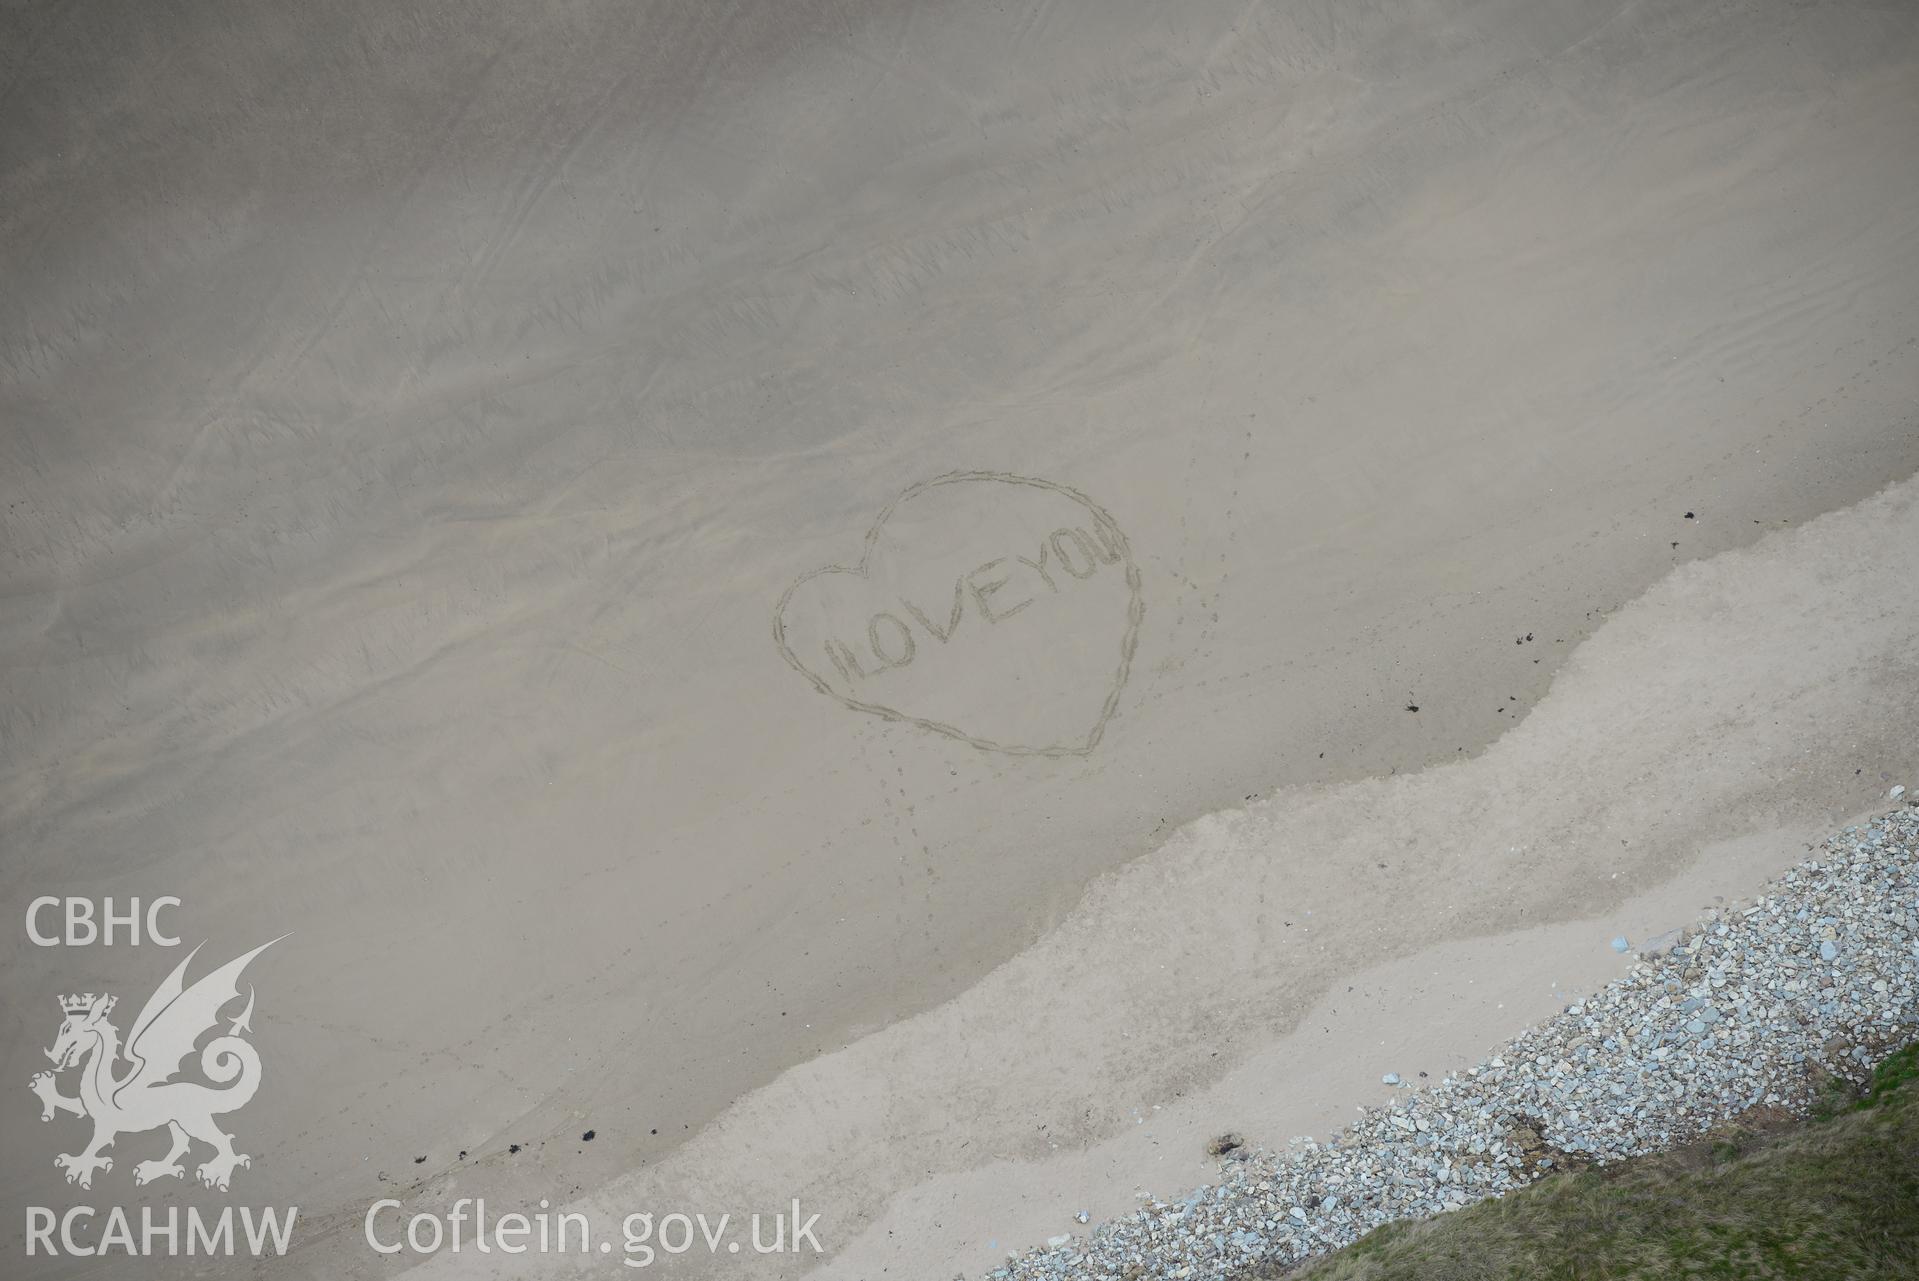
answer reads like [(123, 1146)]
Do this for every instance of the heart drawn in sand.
[(996, 609)]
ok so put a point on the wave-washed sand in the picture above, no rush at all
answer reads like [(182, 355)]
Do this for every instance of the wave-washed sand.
[(1324, 503)]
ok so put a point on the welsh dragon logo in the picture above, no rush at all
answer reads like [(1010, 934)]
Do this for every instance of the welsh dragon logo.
[(144, 1096)]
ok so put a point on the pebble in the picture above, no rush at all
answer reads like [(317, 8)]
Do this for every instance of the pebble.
[(1751, 1006), (1391, 1078), (1621, 943)]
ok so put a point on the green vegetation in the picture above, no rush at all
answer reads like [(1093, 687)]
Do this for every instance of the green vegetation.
[(1834, 1198)]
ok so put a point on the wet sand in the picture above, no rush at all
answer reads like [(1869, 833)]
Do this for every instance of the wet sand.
[(426, 440)]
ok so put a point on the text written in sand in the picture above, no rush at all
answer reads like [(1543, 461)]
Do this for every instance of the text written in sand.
[(997, 609)]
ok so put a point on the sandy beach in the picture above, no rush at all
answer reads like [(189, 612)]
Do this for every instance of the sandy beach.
[(920, 607)]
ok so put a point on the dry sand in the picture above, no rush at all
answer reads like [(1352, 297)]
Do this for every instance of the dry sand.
[(420, 435)]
